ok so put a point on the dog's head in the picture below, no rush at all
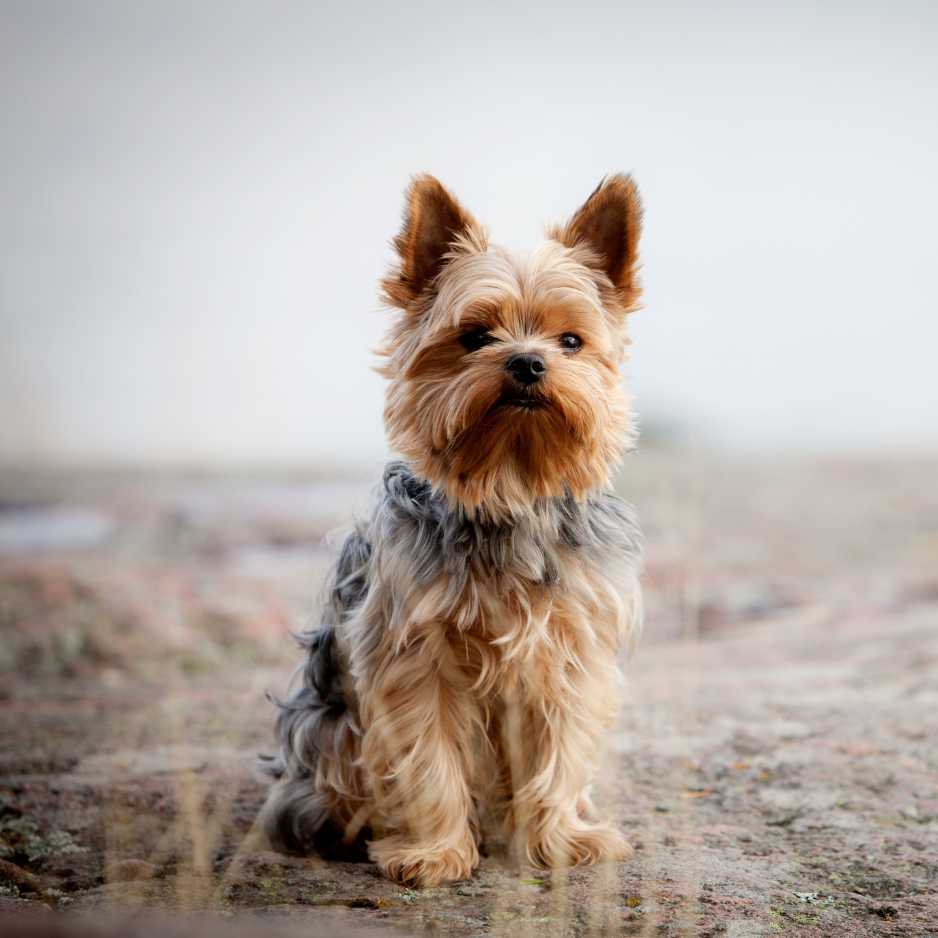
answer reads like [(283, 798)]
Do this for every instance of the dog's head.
[(504, 371)]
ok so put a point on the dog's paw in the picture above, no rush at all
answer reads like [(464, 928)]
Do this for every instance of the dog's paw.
[(579, 846), (601, 844), (411, 864)]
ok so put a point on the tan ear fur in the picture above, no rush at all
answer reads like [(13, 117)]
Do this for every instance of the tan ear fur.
[(609, 224), (433, 221)]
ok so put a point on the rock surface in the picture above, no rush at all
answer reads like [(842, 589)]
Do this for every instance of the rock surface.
[(776, 768)]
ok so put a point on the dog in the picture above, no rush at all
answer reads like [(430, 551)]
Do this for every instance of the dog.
[(466, 666)]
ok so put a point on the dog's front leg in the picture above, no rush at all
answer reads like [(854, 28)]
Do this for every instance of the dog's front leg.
[(551, 739), (420, 719)]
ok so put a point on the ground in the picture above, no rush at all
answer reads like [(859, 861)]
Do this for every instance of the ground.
[(776, 768)]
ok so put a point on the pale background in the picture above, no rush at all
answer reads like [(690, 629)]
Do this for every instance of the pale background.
[(198, 200)]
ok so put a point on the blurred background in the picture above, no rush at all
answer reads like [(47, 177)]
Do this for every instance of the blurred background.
[(198, 200)]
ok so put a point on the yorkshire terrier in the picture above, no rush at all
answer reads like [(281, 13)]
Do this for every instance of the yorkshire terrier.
[(467, 661)]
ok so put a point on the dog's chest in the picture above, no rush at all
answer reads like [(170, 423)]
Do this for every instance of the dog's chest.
[(561, 560), (519, 593)]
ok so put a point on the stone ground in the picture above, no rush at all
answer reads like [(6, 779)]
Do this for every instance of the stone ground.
[(776, 768)]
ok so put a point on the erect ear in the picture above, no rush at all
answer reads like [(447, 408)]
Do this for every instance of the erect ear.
[(609, 223), (433, 221)]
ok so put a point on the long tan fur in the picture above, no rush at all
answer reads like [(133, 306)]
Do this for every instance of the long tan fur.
[(489, 692)]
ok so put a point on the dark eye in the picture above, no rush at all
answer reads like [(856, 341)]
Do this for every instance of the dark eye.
[(571, 342), (475, 339)]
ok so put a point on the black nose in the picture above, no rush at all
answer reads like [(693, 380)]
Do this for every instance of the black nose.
[(527, 368)]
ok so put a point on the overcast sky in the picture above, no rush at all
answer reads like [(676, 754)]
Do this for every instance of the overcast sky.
[(198, 201)]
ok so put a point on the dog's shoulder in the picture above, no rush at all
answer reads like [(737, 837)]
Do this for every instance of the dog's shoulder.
[(601, 523)]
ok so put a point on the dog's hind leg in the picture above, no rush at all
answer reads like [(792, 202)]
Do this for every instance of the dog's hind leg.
[(317, 802)]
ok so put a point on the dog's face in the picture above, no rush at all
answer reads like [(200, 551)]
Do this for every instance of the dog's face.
[(504, 371)]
